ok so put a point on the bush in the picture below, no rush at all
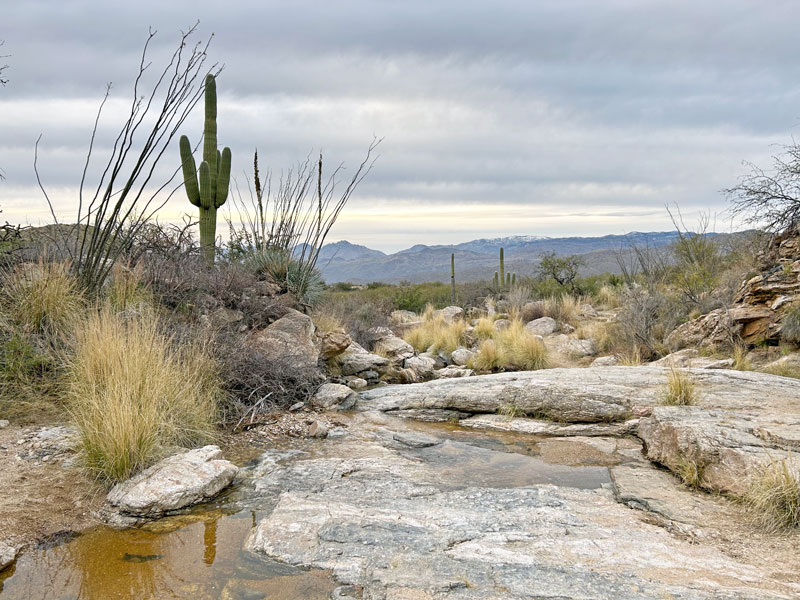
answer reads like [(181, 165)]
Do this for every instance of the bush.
[(490, 357), (774, 496), (680, 390), (277, 265), (435, 334), (790, 325), (133, 394), (522, 350)]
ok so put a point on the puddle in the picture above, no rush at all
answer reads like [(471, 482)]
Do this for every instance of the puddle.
[(200, 556)]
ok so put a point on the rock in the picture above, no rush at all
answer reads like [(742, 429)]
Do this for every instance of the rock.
[(394, 348), (563, 344), (333, 343), (3, 423), (404, 316), (337, 433), (788, 361), (587, 395), (450, 314), (587, 310), (439, 363), (175, 482), (355, 363), (567, 328), (548, 428), (296, 406), (501, 324), (605, 361), (431, 415), (8, 554), (421, 366), (690, 358), (290, 337), (402, 529), (461, 356), (415, 440), (542, 326), (318, 429), (223, 317), (356, 383), (332, 396), (453, 371)]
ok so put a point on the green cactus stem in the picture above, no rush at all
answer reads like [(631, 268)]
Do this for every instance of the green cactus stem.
[(207, 187), (502, 268), (495, 284), (513, 279), (453, 276)]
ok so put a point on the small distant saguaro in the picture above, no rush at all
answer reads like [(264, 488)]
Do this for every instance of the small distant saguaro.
[(453, 276)]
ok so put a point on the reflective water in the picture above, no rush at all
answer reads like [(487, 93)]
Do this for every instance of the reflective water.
[(200, 556)]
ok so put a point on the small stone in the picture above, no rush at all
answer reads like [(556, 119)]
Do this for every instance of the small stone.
[(318, 429), (296, 406), (337, 433), (3, 423)]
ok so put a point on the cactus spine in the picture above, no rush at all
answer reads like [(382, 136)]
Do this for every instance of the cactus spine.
[(453, 276), (502, 268), (211, 190)]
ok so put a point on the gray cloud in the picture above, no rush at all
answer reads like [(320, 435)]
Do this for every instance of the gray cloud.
[(598, 113)]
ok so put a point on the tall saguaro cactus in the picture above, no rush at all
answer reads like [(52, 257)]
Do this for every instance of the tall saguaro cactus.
[(211, 190), (453, 276), (502, 268)]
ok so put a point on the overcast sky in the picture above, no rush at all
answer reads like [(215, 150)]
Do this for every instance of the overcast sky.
[(498, 118)]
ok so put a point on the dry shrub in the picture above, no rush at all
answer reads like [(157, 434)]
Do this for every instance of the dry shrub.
[(522, 350), (133, 393), (127, 289), (355, 314), (740, 360), (607, 337), (484, 328), (563, 308), (631, 358), (42, 298), (326, 322), (530, 312), (774, 496), (608, 296), (436, 334), (790, 325), (689, 471), (680, 390), (517, 297), (490, 356)]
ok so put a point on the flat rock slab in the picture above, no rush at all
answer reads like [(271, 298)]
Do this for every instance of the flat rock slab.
[(384, 523), (549, 428), (577, 395), (173, 483)]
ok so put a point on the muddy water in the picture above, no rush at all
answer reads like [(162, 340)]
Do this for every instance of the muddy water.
[(200, 555)]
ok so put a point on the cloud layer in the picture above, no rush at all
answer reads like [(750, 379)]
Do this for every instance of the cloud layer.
[(504, 118)]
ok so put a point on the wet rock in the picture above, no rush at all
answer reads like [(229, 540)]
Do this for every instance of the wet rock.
[(173, 483), (333, 396), (290, 337), (333, 343), (605, 361), (8, 554), (461, 356), (548, 428), (542, 326), (415, 440)]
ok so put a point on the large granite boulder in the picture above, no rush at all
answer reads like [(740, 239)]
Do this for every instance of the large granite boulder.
[(542, 326), (333, 343), (353, 363), (450, 314), (333, 396), (175, 482), (290, 338), (386, 343)]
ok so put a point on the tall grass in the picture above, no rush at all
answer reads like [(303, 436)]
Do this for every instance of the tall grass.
[(680, 390), (774, 496), (510, 348), (133, 394), (436, 334)]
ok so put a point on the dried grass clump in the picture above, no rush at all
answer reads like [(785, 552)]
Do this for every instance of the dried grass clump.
[(563, 308), (484, 328), (522, 350), (785, 370), (435, 333), (740, 360), (631, 357), (490, 356), (774, 496), (680, 389), (127, 289), (790, 325), (607, 337), (689, 471), (608, 296), (133, 394)]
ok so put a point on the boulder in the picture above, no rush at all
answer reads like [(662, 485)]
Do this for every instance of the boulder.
[(422, 366), (331, 396), (393, 347), (587, 310), (450, 314), (292, 338), (8, 554), (461, 357), (453, 371), (353, 363), (175, 482), (605, 361), (690, 358), (404, 316), (501, 324), (318, 429), (355, 383), (542, 326), (333, 343), (563, 344), (439, 362)]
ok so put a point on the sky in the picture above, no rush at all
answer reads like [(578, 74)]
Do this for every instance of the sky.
[(557, 118)]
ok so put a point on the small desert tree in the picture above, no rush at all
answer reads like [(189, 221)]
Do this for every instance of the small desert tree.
[(562, 269)]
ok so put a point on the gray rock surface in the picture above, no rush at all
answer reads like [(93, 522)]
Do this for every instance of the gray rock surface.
[(461, 356), (290, 337), (403, 530), (353, 363), (542, 326), (8, 554), (175, 482), (450, 314), (453, 371), (691, 358), (548, 428), (563, 344), (605, 361), (333, 396)]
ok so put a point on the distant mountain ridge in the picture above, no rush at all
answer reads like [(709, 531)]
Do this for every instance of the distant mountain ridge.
[(476, 259)]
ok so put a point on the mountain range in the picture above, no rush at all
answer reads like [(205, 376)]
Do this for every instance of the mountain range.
[(477, 259)]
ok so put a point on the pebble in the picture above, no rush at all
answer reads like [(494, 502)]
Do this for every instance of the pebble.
[(3, 423)]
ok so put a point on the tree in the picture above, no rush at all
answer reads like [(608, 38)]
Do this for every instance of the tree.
[(770, 198), (562, 269)]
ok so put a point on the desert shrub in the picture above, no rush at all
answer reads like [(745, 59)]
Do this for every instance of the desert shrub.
[(126, 288), (563, 308), (790, 325), (43, 298), (490, 356), (326, 322), (517, 297), (484, 328), (436, 334), (608, 296), (522, 350), (631, 357), (774, 496), (356, 313), (291, 274), (561, 269), (133, 393), (607, 337), (680, 390)]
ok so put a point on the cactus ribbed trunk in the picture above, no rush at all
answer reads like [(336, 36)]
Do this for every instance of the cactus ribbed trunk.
[(453, 276), (502, 268), (208, 233)]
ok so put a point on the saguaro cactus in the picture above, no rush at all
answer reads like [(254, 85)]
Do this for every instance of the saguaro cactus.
[(495, 283), (211, 190), (453, 276), (502, 268)]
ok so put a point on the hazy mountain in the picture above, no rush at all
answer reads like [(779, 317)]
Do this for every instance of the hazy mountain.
[(477, 259)]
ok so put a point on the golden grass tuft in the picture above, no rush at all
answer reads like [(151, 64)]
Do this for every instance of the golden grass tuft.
[(484, 328), (133, 394), (436, 334), (522, 350), (774, 496), (631, 357), (689, 471), (784, 370), (563, 308), (740, 360), (43, 298), (680, 390), (608, 296), (326, 322), (127, 289), (490, 356)]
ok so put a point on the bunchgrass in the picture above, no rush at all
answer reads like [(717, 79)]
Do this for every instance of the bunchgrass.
[(680, 389), (689, 471), (774, 496), (435, 334), (133, 394), (740, 360)]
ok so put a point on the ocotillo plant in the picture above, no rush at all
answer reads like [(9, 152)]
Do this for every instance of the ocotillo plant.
[(453, 276), (502, 268), (214, 174)]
